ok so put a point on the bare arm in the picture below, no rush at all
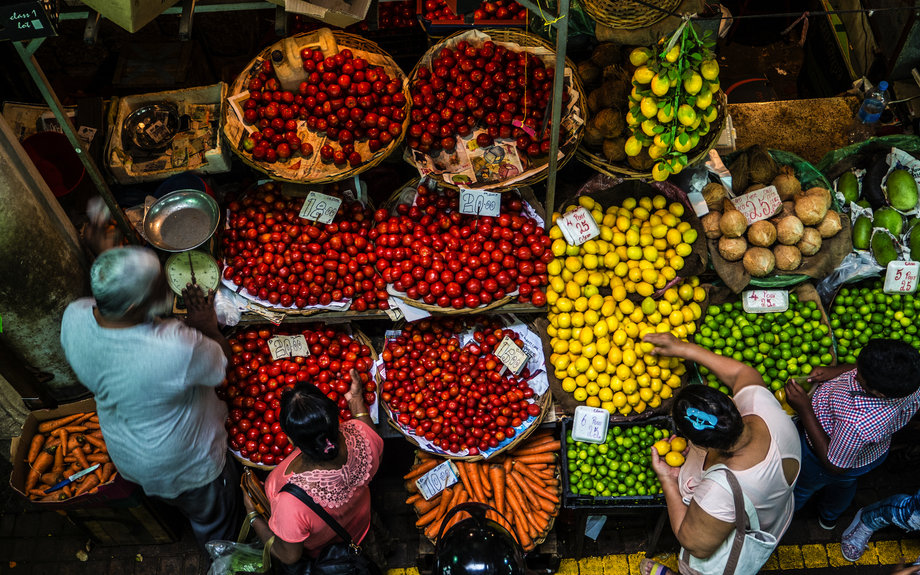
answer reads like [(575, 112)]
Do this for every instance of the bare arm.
[(286, 551), (201, 316), (355, 399), (732, 373), (820, 440)]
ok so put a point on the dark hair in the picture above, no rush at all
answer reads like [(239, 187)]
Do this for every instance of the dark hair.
[(712, 401), (310, 420), (890, 367)]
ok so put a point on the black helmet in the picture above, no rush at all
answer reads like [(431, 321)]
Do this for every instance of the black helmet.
[(477, 546)]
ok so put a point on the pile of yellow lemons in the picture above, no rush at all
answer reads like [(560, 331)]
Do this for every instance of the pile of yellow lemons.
[(672, 451), (641, 247), (596, 340)]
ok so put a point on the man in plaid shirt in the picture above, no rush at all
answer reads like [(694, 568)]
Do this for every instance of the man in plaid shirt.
[(849, 422)]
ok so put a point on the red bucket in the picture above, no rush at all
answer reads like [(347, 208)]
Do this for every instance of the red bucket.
[(56, 160)]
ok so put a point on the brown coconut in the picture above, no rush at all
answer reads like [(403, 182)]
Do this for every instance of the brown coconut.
[(714, 194), (589, 73), (763, 168), (610, 122), (733, 222), (711, 225), (786, 184), (606, 54), (823, 193), (788, 258), (615, 149), (788, 209), (762, 234), (641, 161), (732, 249), (740, 176), (810, 208), (613, 93), (789, 230), (594, 105), (810, 242), (830, 225), (759, 262), (754, 187)]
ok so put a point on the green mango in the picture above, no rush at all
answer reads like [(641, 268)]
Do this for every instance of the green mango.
[(883, 249), (849, 187), (889, 219), (913, 243), (862, 233), (863, 204), (902, 190)]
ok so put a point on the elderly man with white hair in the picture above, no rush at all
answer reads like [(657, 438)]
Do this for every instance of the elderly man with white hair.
[(153, 379)]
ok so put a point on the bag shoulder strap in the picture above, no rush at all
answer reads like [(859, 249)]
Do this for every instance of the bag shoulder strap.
[(741, 521), (299, 493)]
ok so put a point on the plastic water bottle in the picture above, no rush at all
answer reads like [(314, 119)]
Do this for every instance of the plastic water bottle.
[(866, 120)]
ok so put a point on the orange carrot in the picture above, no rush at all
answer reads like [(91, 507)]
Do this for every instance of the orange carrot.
[(520, 520), (36, 447), (427, 518), (414, 498), (536, 501), (463, 497), (473, 474), (74, 428), (53, 442), (530, 474), (98, 458), (49, 426), (68, 491), (411, 487), (108, 472), (94, 419), (97, 442), (541, 448), (52, 478), (464, 477), (541, 492), (42, 463), (84, 418), (81, 457), (89, 425), (89, 482), (497, 474), (98, 472), (484, 481), (59, 463), (98, 434), (447, 497), (423, 506), (424, 455), (70, 459), (507, 465), (537, 458), (422, 468)]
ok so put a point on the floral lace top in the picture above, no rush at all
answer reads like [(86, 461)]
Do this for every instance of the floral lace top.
[(342, 492)]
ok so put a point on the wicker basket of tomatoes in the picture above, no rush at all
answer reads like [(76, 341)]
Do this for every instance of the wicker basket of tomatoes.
[(346, 116), (256, 380), (438, 373), (481, 107), (465, 263)]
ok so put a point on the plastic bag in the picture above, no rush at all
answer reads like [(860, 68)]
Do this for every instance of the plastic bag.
[(856, 266), (231, 558), (228, 306), (910, 144)]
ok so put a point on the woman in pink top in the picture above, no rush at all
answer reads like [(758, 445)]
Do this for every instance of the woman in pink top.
[(333, 463)]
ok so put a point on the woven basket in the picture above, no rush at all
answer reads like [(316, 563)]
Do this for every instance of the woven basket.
[(626, 14), (625, 171), (525, 40), (333, 174)]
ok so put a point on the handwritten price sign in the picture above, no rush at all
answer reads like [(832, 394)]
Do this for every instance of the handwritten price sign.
[(320, 207), (901, 277), (765, 301), (480, 203), (759, 204), (282, 346), (511, 356), (590, 424), (437, 480), (578, 226)]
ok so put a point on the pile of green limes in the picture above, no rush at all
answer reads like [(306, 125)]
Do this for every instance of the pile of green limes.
[(619, 467), (778, 345), (865, 312)]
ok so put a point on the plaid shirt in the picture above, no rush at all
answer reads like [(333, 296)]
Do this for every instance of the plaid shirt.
[(859, 425)]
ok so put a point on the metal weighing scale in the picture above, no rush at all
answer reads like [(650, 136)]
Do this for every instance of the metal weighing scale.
[(191, 267)]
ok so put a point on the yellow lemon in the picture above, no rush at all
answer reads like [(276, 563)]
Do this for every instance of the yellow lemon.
[(648, 106), (572, 250), (619, 399), (662, 446), (554, 267), (683, 250), (678, 444), (710, 114), (665, 114), (633, 146), (674, 459), (558, 247), (689, 237), (580, 394), (643, 75), (648, 127), (699, 294), (683, 143), (659, 173), (568, 385), (586, 202), (704, 100), (639, 56), (686, 115), (611, 259), (676, 262), (693, 84), (660, 85), (656, 152), (573, 264), (590, 261), (590, 247), (709, 69), (572, 290), (632, 122)]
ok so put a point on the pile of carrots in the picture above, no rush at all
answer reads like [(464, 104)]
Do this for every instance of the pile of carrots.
[(523, 485), (63, 447)]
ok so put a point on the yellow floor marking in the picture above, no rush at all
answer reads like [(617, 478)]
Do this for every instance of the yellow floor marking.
[(591, 566), (910, 548), (889, 552), (568, 567), (669, 560), (772, 563), (616, 565), (634, 560), (814, 555), (790, 557)]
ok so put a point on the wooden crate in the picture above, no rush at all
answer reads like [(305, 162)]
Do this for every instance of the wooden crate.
[(137, 520)]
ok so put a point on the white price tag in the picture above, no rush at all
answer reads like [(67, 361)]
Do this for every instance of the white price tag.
[(282, 346), (590, 424), (765, 301), (513, 357), (320, 207), (437, 480), (578, 226), (480, 202), (759, 204), (901, 277), (299, 347), (157, 131)]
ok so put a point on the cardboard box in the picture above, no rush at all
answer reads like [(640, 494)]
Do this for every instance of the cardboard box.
[(218, 158), (132, 15), (333, 12), (118, 488)]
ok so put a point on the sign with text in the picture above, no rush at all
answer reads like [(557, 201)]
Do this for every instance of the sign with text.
[(765, 301), (511, 356), (901, 277), (590, 424), (282, 346), (759, 204), (437, 480), (480, 203), (320, 207), (578, 226)]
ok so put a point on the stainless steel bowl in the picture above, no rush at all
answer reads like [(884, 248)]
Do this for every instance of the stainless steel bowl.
[(181, 220), (153, 126)]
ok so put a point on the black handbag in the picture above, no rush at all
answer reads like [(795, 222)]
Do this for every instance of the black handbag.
[(343, 558)]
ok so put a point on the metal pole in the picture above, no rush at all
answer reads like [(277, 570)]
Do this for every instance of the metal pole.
[(26, 53), (562, 36)]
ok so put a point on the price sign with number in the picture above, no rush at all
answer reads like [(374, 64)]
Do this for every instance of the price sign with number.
[(511, 356), (901, 277), (282, 346), (759, 204), (480, 203), (299, 346), (590, 424), (765, 301), (578, 226), (437, 480), (320, 207)]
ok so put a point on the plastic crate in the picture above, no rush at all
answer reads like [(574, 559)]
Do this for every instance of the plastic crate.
[(444, 28), (573, 501)]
